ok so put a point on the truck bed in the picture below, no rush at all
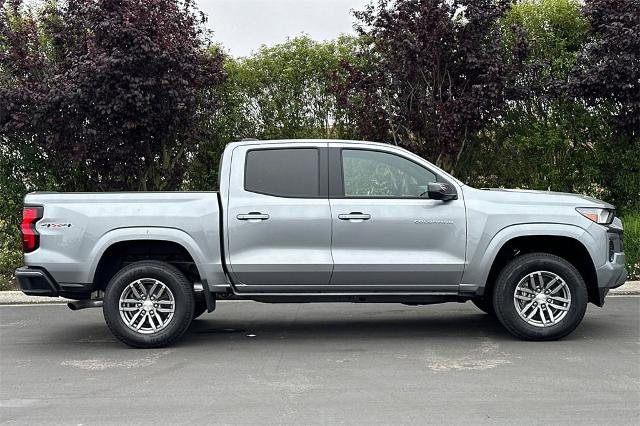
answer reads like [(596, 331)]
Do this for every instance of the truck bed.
[(77, 228)]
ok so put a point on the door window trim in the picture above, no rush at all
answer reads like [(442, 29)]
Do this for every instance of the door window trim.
[(336, 180), (323, 170)]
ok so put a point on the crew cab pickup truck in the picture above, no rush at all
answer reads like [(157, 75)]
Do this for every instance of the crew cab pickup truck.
[(322, 221)]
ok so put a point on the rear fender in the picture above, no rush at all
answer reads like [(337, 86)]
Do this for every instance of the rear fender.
[(210, 270)]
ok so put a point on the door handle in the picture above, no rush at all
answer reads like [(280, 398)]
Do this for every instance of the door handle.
[(253, 216), (355, 216)]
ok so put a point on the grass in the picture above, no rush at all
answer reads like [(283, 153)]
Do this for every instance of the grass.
[(12, 259)]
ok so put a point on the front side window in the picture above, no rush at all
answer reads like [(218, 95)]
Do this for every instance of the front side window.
[(380, 174), (283, 172)]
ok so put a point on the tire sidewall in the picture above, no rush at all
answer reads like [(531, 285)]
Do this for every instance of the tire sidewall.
[(168, 275), (520, 268)]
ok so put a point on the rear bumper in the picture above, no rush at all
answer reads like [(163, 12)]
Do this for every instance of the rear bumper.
[(38, 282)]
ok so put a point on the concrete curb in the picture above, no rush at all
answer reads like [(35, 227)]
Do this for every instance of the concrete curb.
[(19, 298), (629, 288)]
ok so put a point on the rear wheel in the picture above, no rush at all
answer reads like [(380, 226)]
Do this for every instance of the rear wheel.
[(540, 296), (148, 304)]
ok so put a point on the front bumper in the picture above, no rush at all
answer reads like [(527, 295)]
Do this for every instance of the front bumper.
[(611, 275), (38, 282)]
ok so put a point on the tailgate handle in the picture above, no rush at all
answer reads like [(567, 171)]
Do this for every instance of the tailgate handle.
[(354, 216), (253, 216)]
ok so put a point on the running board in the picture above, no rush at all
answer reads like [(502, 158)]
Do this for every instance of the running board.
[(407, 298)]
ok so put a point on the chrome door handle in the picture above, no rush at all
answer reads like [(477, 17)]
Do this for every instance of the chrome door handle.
[(253, 216), (354, 216)]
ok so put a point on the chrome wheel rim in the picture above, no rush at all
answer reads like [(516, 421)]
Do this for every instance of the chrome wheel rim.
[(542, 299), (147, 306)]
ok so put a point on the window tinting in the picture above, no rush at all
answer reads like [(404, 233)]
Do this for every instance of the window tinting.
[(283, 172), (378, 174)]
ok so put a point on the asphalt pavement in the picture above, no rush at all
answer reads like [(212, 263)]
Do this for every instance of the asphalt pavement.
[(252, 363)]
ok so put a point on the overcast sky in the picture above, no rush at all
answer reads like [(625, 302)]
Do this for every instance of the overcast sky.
[(242, 26)]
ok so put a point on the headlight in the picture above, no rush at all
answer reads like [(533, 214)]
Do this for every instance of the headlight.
[(597, 215)]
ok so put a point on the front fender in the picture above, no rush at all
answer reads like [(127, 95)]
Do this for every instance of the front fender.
[(482, 254)]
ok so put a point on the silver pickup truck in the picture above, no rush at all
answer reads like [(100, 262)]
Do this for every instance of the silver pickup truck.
[(322, 221)]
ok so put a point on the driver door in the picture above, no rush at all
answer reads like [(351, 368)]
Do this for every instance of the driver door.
[(386, 233)]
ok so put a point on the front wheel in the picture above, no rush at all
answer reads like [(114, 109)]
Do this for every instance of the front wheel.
[(148, 304), (540, 296)]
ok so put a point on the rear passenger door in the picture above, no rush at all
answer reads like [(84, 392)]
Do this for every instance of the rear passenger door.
[(279, 221)]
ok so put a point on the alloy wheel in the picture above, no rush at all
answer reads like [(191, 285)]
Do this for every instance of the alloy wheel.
[(147, 305), (542, 299)]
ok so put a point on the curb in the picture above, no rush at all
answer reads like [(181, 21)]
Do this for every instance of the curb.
[(630, 288), (627, 289), (19, 298)]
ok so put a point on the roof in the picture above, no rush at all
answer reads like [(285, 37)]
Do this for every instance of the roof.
[(330, 141)]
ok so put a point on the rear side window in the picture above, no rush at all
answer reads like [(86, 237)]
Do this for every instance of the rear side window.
[(283, 172)]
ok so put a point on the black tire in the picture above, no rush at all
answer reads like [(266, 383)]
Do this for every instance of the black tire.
[(173, 279), (519, 268), (199, 307), (485, 305)]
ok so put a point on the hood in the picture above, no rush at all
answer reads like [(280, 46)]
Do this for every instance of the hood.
[(549, 197)]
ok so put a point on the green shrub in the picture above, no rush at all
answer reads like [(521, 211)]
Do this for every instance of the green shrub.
[(10, 259), (632, 244)]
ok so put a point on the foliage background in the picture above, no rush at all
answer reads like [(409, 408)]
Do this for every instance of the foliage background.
[(134, 95)]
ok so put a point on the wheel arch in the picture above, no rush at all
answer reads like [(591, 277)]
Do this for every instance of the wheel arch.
[(568, 248), (570, 242), (157, 241)]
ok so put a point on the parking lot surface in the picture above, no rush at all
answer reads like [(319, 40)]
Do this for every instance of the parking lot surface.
[(251, 363)]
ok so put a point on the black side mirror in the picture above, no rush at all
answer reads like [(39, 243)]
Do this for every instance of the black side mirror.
[(441, 191)]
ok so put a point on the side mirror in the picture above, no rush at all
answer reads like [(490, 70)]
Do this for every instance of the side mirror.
[(441, 191)]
